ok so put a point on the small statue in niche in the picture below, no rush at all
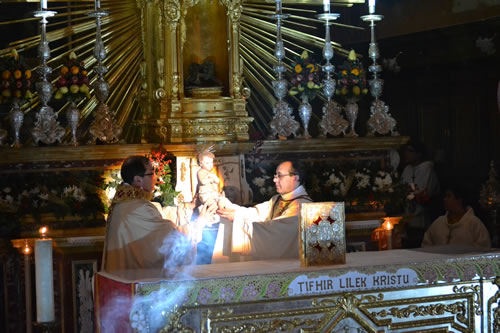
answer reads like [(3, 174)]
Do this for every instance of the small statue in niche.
[(202, 75)]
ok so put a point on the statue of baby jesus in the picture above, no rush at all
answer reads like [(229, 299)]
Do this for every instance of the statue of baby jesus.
[(207, 189)]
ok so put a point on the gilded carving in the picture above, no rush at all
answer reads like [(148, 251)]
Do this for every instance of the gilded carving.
[(458, 308), (494, 312), (174, 322), (274, 325), (172, 12), (175, 86), (162, 131), (478, 304), (234, 9), (183, 171)]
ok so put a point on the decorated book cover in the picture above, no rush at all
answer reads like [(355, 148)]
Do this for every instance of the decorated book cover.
[(322, 233)]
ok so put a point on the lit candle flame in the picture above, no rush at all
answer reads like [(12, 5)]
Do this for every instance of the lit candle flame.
[(27, 249), (388, 225), (43, 231)]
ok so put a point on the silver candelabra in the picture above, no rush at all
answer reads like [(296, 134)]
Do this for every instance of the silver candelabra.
[(47, 128), (380, 120), (104, 126), (332, 121), (283, 123)]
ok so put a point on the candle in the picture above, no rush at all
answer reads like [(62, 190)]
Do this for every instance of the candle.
[(43, 4), (388, 231), (43, 276), (326, 6), (97, 4), (27, 287), (371, 6)]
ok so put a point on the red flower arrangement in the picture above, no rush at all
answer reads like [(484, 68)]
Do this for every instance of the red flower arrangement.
[(16, 81), (164, 190), (73, 82)]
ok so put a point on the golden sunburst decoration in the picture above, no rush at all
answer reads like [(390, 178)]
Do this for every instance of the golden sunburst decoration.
[(72, 29)]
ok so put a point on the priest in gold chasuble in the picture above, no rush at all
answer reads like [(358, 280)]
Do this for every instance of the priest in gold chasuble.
[(270, 230)]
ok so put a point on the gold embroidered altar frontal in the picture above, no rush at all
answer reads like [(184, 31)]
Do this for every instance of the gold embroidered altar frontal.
[(388, 291)]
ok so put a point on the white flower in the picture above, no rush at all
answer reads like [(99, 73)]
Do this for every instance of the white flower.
[(333, 180), (7, 190), (35, 190), (44, 196), (25, 194), (74, 192), (362, 180), (259, 181), (262, 190), (110, 192), (9, 199)]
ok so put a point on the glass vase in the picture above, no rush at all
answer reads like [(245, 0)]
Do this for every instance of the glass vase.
[(16, 121), (305, 112), (351, 112), (73, 116)]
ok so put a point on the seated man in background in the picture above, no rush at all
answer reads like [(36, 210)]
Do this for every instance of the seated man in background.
[(459, 226), (137, 237), (270, 229)]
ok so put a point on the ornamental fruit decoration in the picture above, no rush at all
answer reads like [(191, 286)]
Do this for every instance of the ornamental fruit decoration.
[(351, 78), (73, 82), (16, 80), (305, 79)]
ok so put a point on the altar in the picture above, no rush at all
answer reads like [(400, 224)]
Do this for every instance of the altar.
[(445, 290)]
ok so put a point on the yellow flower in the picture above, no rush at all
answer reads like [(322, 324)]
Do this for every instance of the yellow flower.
[(17, 74), (312, 68), (310, 84), (27, 74), (14, 54), (355, 71), (75, 70), (72, 55), (293, 91), (64, 70), (304, 55), (344, 91), (298, 68), (5, 74), (344, 73), (352, 55), (365, 91)]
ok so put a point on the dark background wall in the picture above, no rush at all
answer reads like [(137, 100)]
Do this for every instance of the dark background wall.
[(445, 93)]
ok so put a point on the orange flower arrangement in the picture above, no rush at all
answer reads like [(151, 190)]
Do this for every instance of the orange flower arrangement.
[(16, 79), (352, 78), (73, 82)]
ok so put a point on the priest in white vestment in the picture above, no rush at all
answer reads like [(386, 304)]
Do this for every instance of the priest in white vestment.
[(137, 236), (270, 230)]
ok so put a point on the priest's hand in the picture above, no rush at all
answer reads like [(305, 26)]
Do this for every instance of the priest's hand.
[(227, 213), (208, 209)]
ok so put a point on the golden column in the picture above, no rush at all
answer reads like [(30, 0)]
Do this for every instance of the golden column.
[(191, 50)]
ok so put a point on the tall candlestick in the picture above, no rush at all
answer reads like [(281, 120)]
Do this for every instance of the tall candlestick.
[(371, 6), (44, 282), (27, 287), (326, 6), (43, 4)]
